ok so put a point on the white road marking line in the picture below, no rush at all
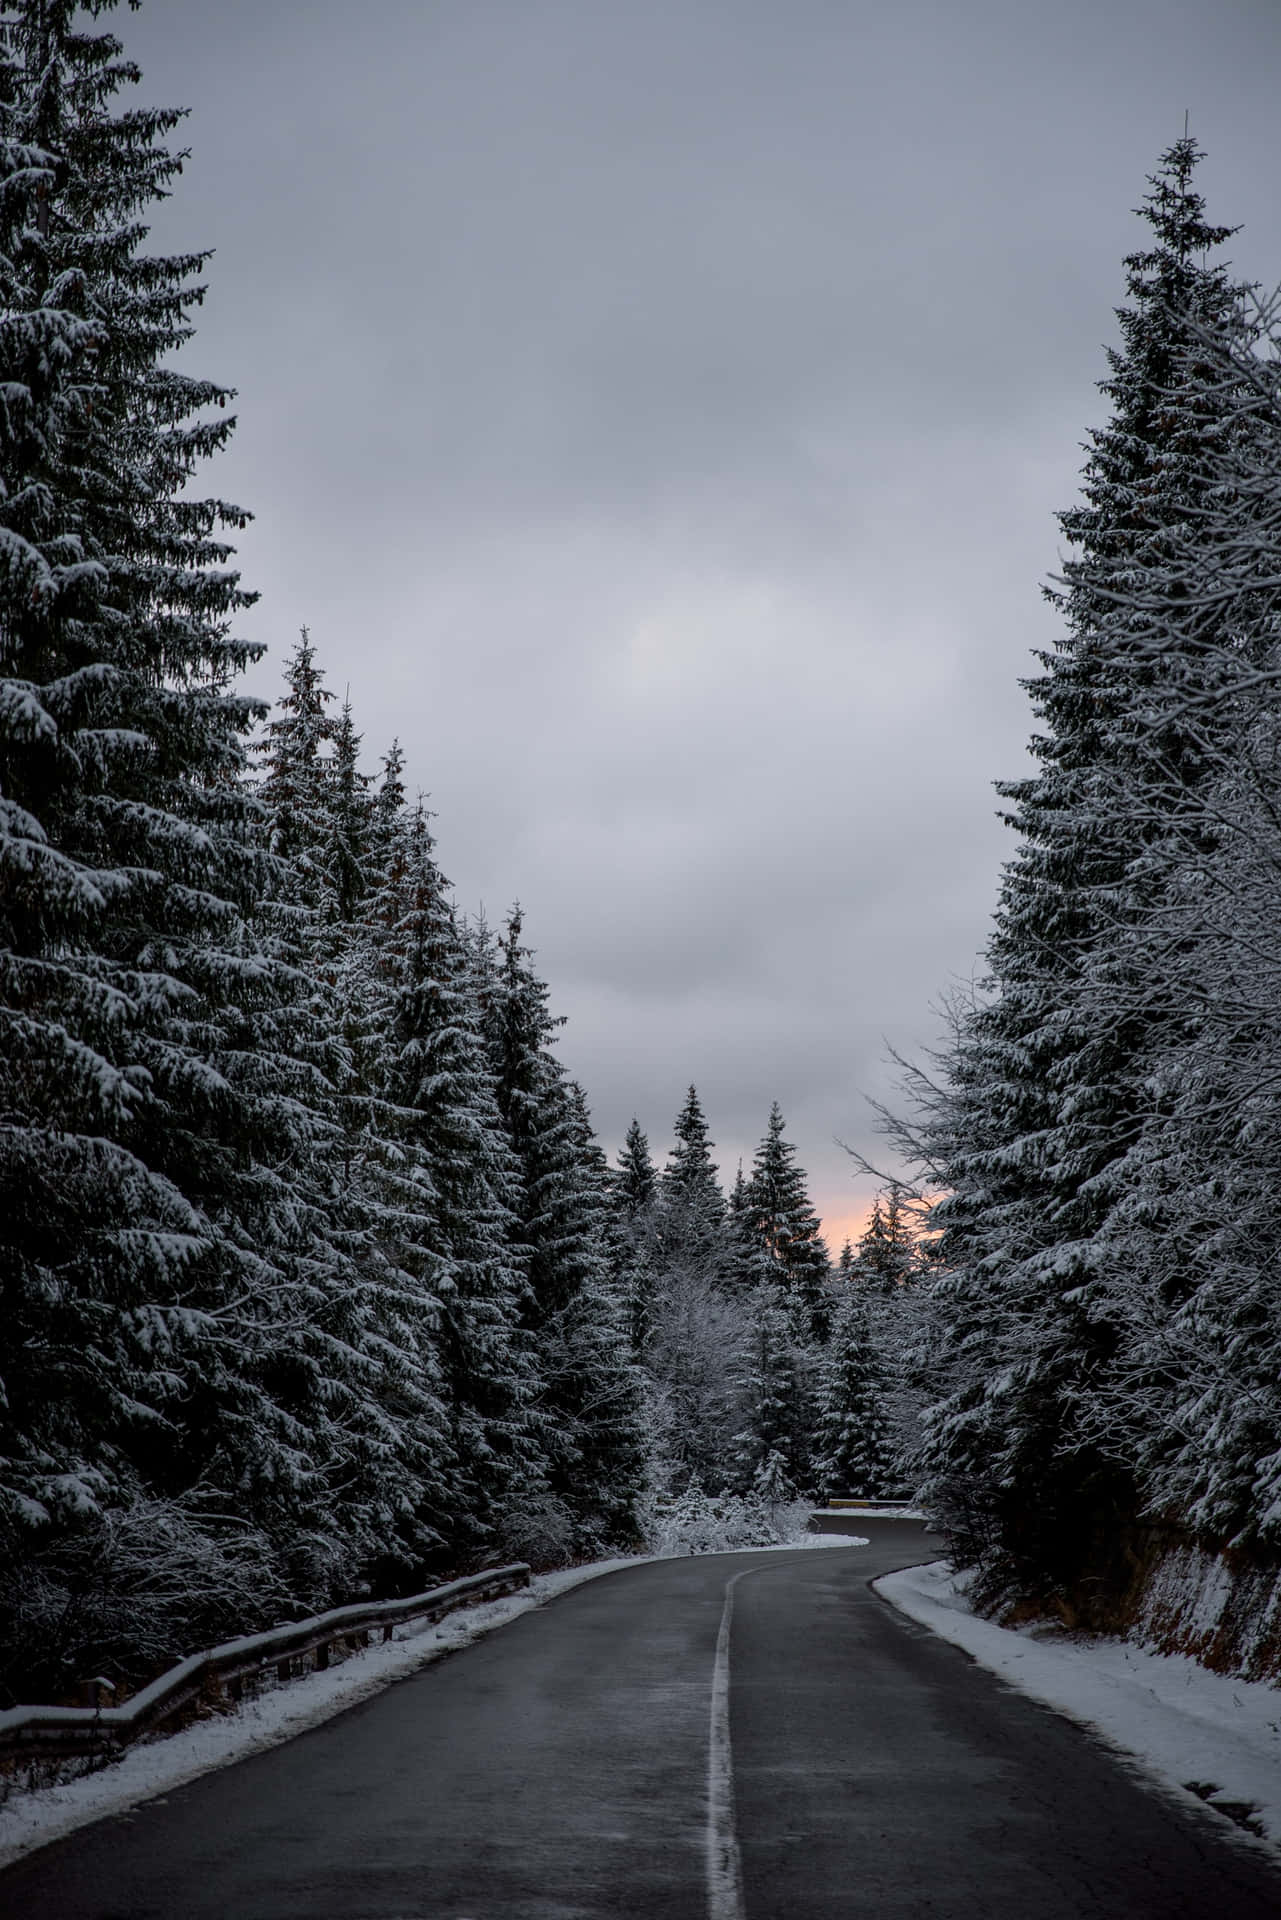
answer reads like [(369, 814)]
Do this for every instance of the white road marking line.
[(724, 1864)]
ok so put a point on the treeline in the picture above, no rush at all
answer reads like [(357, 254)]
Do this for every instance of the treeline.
[(304, 1277), (314, 1280), (766, 1371), (1105, 1121)]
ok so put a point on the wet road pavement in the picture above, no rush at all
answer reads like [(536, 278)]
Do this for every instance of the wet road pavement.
[(564, 1766)]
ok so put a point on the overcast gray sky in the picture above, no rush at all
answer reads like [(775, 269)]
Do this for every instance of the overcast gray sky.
[(657, 412)]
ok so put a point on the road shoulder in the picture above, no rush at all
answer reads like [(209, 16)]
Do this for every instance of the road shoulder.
[(1179, 1722)]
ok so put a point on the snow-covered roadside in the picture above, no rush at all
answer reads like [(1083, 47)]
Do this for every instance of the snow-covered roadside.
[(30, 1820), (817, 1540), (1182, 1723), (873, 1512)]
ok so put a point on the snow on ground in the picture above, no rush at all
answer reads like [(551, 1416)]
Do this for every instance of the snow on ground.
[(1182, 1723), (873, 1512), (32, 1819), (818, 1540)]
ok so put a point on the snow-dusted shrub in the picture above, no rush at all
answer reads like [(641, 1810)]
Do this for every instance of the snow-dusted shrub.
[(129, 1593), (541, 1530), (699, 1522)]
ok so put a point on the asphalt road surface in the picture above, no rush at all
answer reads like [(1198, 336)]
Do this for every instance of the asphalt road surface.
[(739, 1737)]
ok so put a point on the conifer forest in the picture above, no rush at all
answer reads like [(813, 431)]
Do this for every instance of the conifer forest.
[(315, 1282)]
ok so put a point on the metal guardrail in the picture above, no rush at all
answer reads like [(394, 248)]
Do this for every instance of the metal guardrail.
[(37, 1732)]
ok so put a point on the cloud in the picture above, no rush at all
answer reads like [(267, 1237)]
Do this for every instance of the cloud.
[(658, 415)]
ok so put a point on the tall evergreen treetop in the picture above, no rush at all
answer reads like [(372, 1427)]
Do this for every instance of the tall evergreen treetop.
[(634, 1182), (632, 1188), (887, 1246), (1052, 1083), (690, 1175), (1073, 1081), (574, 1310), (749, 1260), (786, 1224), (440, 1080), (350, 827), (693, 1219), (295, 756)]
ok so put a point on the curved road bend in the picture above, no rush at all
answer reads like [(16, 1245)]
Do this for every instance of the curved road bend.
[(559, 1769)]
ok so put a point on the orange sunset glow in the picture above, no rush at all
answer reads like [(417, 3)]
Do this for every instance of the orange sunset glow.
[(842, 1222)]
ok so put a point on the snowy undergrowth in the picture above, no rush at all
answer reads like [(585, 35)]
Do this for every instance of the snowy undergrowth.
[(698, 1522), (33, 1818), (1194, 1731)]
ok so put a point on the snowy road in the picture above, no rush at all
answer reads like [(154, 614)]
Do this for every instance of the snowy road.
[(658, 1743)]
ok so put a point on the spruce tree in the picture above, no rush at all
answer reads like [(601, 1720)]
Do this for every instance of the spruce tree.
[(1049, 1083), (348, 830), (749, 1261), (785, 1223), (886, 1249), (693, 1354), (589, 1393), (853, 1449), (295, 757), (775, 1405), (693, 1205), (633, 1198), (158, 1259), (1190, 1242), (442, 1105), (635, 1182), (124, 859), (609, 1413)]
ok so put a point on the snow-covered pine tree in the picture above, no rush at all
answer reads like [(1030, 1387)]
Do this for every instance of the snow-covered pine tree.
[(633, 1198), (148, 1245), (366, 957), (363, 1199), (634, 1183), (609, 1387), (588, 1389), (887, 1246), (748, 1261), (696, 1329), (694, 1369), (775, 1404), (772, 1485), (693, 1206), (785, 1223), (852, 1444), (347, 846), (438, 1103), (1048, 1083), (295, 760), (1192, 1241)]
